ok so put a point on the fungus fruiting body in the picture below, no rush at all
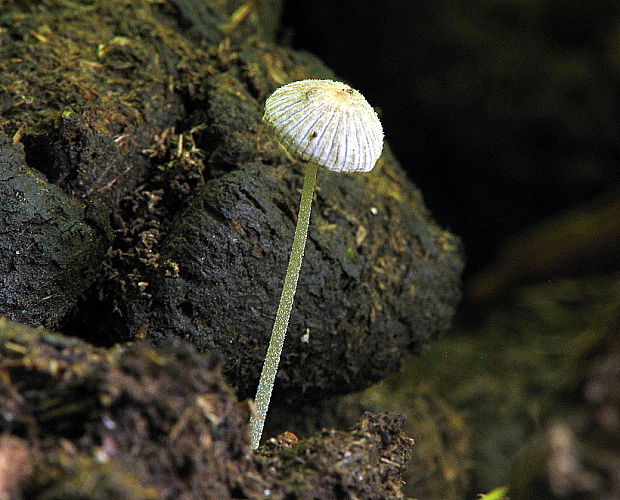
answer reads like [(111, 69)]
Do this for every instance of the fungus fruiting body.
[(327, 123), (322, 123)]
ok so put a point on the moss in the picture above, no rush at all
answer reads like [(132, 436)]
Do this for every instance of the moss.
[(441, 459), (54, 63), (128, 423), (364, 462), (506, 376), (138, 423), (153, 109), (72, 475)]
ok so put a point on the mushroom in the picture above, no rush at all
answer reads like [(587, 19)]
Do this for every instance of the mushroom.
[(323, 124)]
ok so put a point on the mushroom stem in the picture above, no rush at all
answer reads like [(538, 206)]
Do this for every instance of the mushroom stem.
[(272, 359)]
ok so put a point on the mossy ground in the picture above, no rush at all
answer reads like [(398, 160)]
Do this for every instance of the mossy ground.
[(149, 113), (173, 146)]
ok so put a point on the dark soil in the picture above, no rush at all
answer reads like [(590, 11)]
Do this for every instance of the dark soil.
[(162, 127), (143, 204), (51, 244), (140, 423)]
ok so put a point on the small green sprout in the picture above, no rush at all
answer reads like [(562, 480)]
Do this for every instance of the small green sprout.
[(497, 494)]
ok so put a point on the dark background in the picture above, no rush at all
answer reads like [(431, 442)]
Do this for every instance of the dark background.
[(503, 112)]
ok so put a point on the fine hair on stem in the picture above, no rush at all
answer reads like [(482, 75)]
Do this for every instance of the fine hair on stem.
[(272, 359)]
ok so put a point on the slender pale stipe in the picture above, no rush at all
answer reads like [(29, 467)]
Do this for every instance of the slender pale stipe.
[(272, 359), (325, 124)]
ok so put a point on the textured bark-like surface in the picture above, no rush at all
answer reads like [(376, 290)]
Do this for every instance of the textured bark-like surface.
[(136, 423), (51, 245)]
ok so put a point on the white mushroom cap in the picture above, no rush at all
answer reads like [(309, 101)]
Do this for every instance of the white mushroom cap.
[(327, 123)]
